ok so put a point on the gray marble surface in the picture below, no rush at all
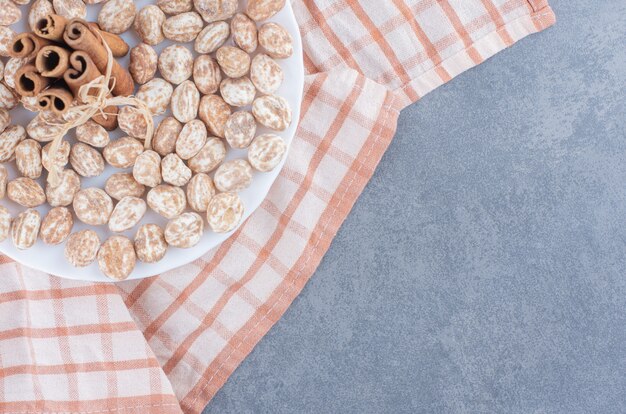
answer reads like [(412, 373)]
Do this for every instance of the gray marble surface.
[(483, 270)]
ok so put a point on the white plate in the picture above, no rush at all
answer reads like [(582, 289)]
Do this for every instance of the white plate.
[(50, 259)]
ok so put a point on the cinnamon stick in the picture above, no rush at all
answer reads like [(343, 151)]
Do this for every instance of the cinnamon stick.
[(52, 61), (79, 36), (44, 102), (28, 81), (52, 27), (26, 45), (118, 46), (82, 71), (56, 99)]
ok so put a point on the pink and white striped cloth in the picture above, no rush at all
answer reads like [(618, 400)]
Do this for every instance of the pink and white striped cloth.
[(167, 344)]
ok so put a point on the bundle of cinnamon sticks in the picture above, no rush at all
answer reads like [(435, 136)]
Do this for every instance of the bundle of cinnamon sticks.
[(65, 55)]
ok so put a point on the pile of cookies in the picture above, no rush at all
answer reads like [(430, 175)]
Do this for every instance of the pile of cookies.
[(219, 96)]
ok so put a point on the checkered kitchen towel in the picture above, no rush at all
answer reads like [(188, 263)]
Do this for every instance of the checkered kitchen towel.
[(167, 344)]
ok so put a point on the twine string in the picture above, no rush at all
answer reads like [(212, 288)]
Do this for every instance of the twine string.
[(93, 104)]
